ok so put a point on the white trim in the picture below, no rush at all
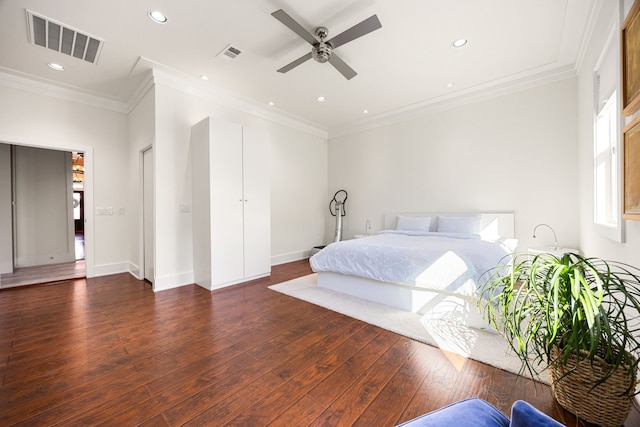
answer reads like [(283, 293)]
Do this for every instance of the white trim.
[(141, 210), (134, 270), (173, 281), (140, 92), (615, 232), (458, 99), (172, 79), (108, 269), (594, 14), (233, 282), (89, 235), (290, 257), (33, 84)]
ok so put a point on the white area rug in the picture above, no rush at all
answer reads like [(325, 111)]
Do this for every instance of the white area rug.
[(459, 339)]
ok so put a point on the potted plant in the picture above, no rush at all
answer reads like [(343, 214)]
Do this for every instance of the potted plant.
[(578, 318)]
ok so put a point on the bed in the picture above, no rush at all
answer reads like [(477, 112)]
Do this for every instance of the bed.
[(431, 264)]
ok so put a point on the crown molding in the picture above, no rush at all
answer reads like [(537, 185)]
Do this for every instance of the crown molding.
[(458, 99), (587, 35), (171, 78), (204, 90), (479, 93), (32, 84)]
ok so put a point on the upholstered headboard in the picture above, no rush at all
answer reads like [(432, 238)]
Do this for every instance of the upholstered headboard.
[(493, 223)]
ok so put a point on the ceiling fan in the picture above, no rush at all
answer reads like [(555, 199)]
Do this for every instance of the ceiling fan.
[(322, 50)]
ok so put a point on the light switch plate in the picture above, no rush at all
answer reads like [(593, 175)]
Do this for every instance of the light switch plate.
[(104, 211)]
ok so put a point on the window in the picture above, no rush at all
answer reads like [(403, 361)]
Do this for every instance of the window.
[(606, 142), (607, 209)]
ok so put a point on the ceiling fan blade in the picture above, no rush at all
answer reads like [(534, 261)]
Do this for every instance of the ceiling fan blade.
[(342, 66), (365, 27), (295, 63), (287, 20)]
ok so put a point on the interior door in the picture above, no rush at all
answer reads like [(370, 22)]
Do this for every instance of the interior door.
[(147, 215)]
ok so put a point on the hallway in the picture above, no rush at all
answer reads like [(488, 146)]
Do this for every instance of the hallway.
[(48, 273)]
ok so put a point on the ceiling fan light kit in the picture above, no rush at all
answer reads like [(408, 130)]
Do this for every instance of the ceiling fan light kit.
[(321, 50)]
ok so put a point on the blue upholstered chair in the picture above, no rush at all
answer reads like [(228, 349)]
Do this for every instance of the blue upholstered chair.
[(476, 412)]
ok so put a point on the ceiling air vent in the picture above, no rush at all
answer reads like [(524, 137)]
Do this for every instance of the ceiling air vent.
[(229, 53), (62, 38)]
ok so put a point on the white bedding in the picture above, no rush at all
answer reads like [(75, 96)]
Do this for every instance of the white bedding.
[(444, 262)]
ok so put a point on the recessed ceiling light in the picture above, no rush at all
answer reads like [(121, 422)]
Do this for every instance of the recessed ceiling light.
[(271, 103), (365, 112), (449, 85), (203, 77), (157, 16), (459, 43), (55, 66), (321, 99)]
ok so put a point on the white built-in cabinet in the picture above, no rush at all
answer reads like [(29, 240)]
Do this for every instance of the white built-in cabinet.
[(230, 203)]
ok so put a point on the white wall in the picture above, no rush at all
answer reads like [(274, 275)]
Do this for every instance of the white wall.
[(515, 153), (163, 117), (593, 243), (33, 119), (298, 193), (298, 181)]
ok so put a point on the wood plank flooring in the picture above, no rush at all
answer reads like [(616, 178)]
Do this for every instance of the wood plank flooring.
[(52, 273), (110, 351)]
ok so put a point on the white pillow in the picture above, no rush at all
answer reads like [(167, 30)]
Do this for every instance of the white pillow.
[(413, 223), (459, 224)]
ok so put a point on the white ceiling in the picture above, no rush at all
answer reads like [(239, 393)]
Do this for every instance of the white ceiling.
[(406, 64)]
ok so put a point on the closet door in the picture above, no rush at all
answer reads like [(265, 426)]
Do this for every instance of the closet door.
[(257, 196), (226, 202)]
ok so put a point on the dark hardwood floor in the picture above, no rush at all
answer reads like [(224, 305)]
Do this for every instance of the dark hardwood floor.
[(109, 351)]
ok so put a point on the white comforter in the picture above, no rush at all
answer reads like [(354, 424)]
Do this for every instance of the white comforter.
[(447, 262)]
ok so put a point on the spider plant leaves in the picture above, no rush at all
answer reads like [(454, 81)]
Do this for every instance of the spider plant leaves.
[(585, 306)]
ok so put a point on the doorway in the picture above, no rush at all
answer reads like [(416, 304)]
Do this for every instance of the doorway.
[(47, 194), (148, 240), (78, 203)]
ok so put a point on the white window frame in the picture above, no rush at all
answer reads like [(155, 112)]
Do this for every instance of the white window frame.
[(607, 157)]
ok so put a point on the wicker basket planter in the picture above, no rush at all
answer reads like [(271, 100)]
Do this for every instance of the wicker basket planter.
[(608, 404)]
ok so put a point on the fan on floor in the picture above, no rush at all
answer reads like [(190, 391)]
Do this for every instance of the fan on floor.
[(322, 50)]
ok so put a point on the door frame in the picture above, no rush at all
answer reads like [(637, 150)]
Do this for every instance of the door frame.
[(88, 189), (141, 210)]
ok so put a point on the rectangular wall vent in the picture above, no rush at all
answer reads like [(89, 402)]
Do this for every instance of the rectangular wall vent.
[(62, 38), (229, 53)]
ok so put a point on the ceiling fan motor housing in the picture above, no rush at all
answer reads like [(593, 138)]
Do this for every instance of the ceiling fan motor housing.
[(322, 52)]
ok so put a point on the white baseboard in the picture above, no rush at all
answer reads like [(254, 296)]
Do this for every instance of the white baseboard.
[(6, 267), (290, 257), (170, 282), (107, 269), (135, 271)]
